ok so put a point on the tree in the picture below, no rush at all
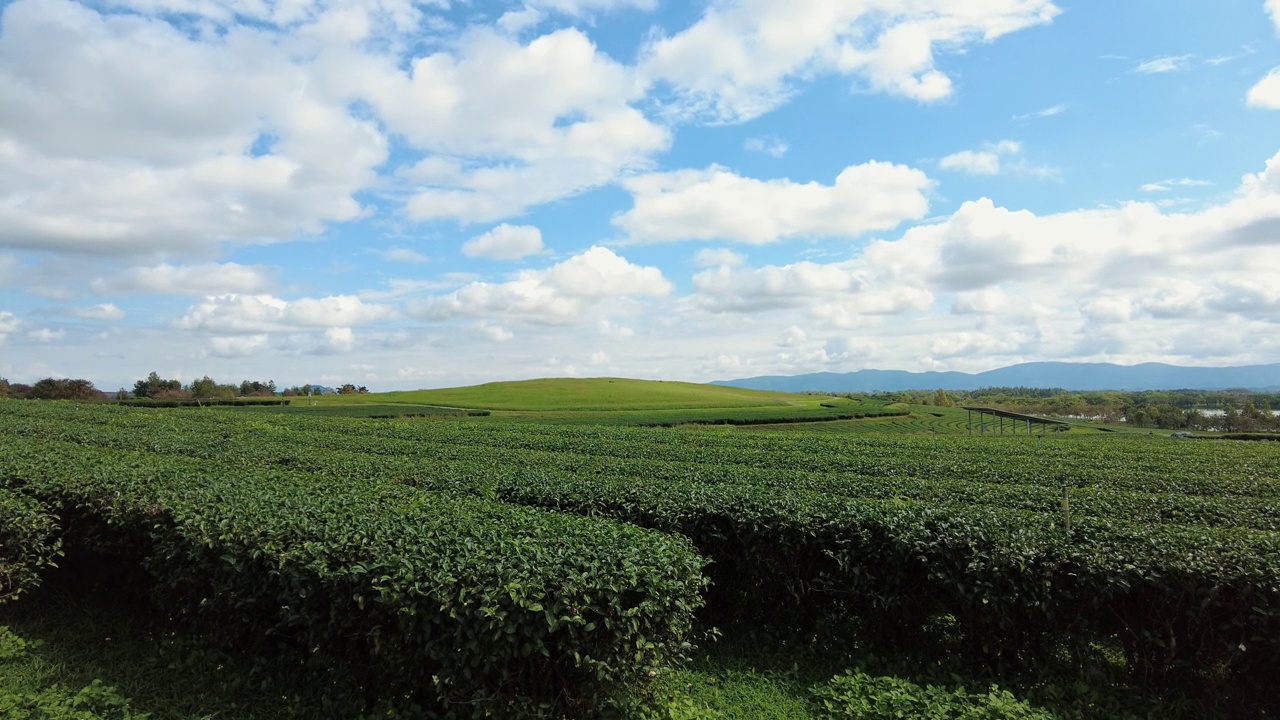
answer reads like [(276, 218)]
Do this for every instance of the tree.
[(155, 386), (348, 389), (941, 399), (250, 388), (64, 389), (207, 389), (4, 388)]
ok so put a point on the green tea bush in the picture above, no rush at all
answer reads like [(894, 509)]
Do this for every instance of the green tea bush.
[(382, 592), (28, 542), (861, 696)]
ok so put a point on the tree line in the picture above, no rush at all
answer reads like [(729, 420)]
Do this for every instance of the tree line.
[(155, 387), (1214, 410)]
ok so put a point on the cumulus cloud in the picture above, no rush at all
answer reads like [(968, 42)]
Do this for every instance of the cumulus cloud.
[(121, 133), (105, 311), (554, 296), (46, 335), (712, 257), (403, 255), (538, 121), (9, 323), (165, 279), (793, 336), (1266, 93), (770, 145), (717, 204), (1273, 9), (505, 242), (726, 289), (980, 162), (496, 333), (980, 302), (237, 346), (743, 57), (257, 314)]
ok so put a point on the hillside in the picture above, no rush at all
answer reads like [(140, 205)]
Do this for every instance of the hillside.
[(578, 394)]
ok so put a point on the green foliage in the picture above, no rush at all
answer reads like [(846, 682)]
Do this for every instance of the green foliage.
[(933, 546), (467, 605), (28, 542), (155, 386), (93, 702), (63, 389), (858, 695)]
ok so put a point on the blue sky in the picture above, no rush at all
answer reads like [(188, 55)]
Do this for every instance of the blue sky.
[(403, 194)]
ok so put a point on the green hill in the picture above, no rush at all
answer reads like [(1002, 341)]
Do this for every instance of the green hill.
[(587, 394)]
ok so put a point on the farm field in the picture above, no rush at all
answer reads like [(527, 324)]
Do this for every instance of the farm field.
[(565, 564)]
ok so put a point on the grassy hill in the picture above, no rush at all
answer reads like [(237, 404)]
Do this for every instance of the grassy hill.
[(585, 394)]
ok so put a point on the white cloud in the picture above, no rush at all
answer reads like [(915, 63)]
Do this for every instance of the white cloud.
[(599, 357), (46, 335), (496, 333), (105, 311), (505, 242), (1273, 9), (537, 121), (598, 272), (726, 289), (257, 314), (403, 255), (237, 346), (121, 134), (713, 257), (768, 144), (986, 301), (951, 345), (1167, 185), (1042, 113), (165, 279), (793, 336), (9, 323), (743, 57), (988, 160), (610, 329), (716, 204), (550, 297), (1266, 93), (1166, 64), (973, 162), (338, 340), (1108, 309)]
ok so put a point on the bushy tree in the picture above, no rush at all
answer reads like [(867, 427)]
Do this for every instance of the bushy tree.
[(249, 388), (155, 386), (207, 389), (64, 389), (4, 387)]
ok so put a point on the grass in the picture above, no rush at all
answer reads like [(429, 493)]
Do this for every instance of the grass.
[(584, 395)]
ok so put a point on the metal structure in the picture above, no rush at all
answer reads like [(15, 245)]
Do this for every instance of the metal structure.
[(1016, 420)]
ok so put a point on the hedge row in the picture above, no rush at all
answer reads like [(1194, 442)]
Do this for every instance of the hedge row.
[(380, 590), (238, 402), (29, 541), (1183, 601), (340, 450)]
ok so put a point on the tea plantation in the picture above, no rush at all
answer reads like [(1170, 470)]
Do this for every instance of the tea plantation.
[(456, 566)]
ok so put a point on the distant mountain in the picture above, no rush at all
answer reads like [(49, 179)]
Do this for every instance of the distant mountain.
[(1068, 376)]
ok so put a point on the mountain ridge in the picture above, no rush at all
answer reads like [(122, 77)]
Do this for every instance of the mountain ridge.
[(1065, 375)]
